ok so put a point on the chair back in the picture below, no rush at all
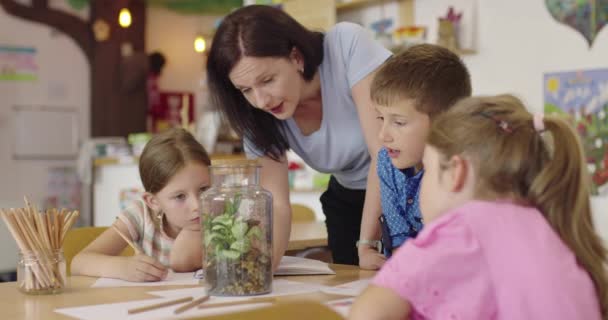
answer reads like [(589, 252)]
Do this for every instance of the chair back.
[(78, 238), (302, 213)]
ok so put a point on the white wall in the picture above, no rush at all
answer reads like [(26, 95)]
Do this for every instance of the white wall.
[(517, 41), (63, 80)]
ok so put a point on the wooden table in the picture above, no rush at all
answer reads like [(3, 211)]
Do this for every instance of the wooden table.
[(307, 235), (15, 306)]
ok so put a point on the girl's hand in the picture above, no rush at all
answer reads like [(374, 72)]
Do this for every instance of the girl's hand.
[(143, 268), (370, 259)]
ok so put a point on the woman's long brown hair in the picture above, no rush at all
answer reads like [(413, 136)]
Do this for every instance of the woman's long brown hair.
[(546, 169)]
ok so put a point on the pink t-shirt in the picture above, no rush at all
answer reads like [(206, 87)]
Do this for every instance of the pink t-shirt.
[(490, 260)]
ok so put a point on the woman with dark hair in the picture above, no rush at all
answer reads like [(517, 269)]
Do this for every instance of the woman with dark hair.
[(284, 87)]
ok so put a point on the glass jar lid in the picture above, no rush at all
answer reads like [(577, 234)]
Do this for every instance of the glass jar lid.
[(226, 163)]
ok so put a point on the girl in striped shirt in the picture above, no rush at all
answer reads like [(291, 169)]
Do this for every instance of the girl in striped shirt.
[(174, 169)]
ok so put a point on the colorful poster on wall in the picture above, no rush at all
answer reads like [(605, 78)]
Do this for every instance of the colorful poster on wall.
[(64, 189), (582, 96), (586, 16), (18, 64)]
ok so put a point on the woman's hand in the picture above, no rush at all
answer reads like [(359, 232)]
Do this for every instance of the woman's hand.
[(143, 268), (370, 258)]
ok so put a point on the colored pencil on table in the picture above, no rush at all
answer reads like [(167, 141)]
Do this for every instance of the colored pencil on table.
[(159, 305), (191, 305)]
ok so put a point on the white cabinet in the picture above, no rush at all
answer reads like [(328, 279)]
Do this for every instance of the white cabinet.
[(111, 179)]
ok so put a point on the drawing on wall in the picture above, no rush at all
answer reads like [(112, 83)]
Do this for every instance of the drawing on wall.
[(586, 16), (18, 64), (582, 96), (64, 189)]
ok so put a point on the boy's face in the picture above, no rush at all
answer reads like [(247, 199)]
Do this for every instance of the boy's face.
[(403, 132)]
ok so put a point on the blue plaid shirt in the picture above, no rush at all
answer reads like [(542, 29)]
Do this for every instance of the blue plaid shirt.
[(400, 205)]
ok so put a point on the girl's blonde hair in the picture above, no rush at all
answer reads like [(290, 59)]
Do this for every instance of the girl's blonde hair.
[(167, 153), (514, 159)]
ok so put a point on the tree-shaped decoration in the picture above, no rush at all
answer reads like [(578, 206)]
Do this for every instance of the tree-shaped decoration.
[(115, 109)]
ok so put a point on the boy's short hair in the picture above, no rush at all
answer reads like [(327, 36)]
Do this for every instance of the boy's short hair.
[(431, 75)]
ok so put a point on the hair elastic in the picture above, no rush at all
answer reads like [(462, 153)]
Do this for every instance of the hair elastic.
[(539, 122)]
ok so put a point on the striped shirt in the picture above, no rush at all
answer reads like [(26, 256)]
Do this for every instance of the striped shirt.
[(146, 233)]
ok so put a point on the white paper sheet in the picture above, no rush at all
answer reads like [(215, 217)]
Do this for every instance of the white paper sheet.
[(119, 311), (348, 289), (341, 306), (280, 287), (173, 279), (291, 266)]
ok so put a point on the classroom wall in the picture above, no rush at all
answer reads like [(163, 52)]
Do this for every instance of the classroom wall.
[(173, 35), (63, 80), (517, 41)]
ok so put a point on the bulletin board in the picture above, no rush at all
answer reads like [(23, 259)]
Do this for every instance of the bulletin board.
[(44, 133)]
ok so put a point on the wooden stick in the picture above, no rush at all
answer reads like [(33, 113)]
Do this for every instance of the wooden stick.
[(13, 228), (159, 305), (191, 305), (129, 242), (61, 220), (236, 303), (43, 236), (56, 228), (49, 229), (35, 246), (28, 228), (69, 221)]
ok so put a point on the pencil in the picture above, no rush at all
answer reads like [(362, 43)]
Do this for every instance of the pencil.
[(236, 303), (159, 305), (129, 242), (191, 305)]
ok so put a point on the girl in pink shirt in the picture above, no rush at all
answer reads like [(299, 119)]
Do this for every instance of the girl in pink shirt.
[(508, 230)]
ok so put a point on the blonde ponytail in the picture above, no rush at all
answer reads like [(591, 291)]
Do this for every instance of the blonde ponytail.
[(570, 216)]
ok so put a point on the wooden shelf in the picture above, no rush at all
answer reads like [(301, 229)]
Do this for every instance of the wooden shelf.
[(460, 52), (110, 161), (354, 4)]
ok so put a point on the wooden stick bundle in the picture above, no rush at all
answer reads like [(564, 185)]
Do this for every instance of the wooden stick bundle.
[(39, 236)]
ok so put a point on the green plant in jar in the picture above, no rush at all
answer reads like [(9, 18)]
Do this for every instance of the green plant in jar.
[(237, 235)]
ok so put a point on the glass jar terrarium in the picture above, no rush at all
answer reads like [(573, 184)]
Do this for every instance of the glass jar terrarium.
[(236, 220)]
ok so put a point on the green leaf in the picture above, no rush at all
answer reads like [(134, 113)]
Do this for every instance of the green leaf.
[(236, 202), (229, 208), (241, 246), (229, 254), (204, 7), (232, 206), (78, 4), (219, 227), (255, 232), (210, 237), (239, 229), (223, 219)]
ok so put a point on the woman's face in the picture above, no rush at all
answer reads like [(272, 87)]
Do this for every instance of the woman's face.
[(271, 84)]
